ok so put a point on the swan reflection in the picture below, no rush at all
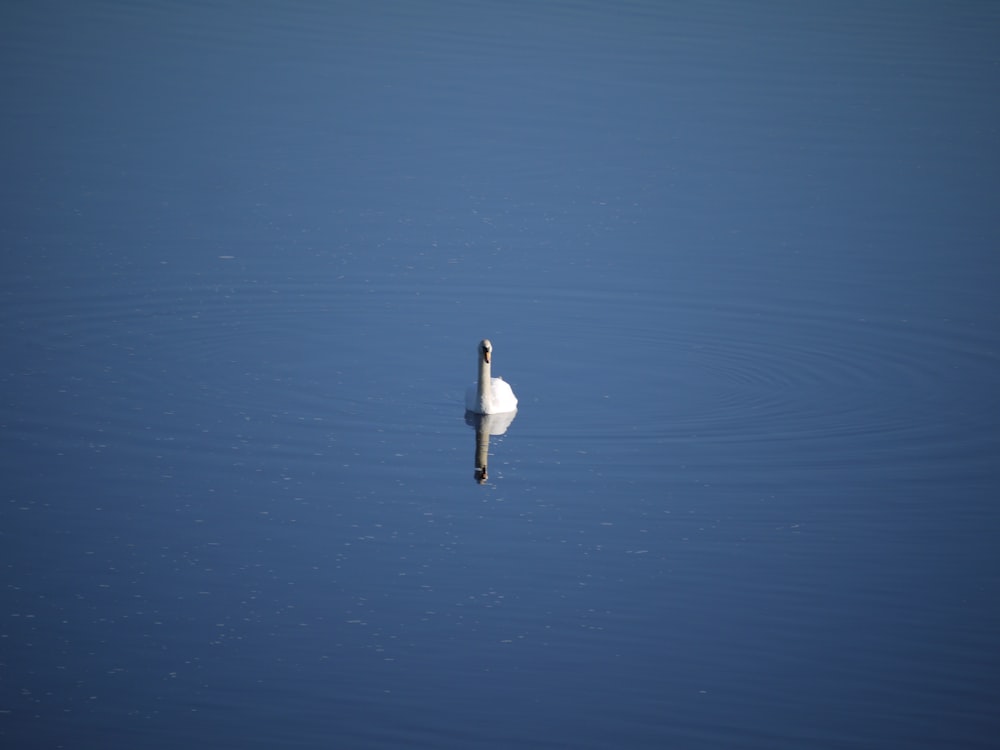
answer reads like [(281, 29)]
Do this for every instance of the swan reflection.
[(486, 425)]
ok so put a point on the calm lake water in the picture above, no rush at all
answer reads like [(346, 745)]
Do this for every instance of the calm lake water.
[(738, 262)]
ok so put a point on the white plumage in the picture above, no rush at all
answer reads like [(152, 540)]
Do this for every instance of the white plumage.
[(489, 395)]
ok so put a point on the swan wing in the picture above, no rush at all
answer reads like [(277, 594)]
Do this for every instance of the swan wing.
[(472, 399), (503, 396)]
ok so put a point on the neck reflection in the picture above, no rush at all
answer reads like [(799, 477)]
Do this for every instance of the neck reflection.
[(486, 425)]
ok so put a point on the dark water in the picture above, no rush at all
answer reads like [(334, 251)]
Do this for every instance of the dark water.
[(739, 265)]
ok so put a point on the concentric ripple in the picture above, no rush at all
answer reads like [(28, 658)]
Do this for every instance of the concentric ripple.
[(223, 363)]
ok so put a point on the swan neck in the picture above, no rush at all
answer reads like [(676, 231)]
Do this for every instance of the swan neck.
[(484, 391)]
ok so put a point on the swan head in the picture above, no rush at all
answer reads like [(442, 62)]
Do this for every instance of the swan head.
[(485, 348)]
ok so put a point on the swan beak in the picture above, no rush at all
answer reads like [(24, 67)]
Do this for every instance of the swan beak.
[(486, 354)]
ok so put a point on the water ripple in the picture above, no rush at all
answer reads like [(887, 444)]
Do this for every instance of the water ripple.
[(164, 363)]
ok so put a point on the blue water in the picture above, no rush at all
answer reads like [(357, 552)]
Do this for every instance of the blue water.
[(737, 262)]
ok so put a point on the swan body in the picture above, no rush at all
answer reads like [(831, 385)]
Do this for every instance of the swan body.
[(489, 395)]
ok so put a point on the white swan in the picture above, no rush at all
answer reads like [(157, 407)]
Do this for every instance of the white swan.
[(489, 396)]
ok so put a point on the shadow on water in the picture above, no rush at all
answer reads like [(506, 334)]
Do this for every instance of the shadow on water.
[(486, 425)]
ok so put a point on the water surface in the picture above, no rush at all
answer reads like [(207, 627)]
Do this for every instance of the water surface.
[(737, 265)]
